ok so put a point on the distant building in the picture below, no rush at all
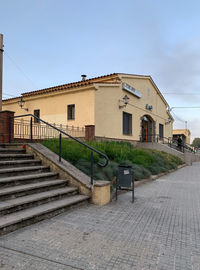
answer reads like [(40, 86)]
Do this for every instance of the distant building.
[(183, 133), (119, 106)]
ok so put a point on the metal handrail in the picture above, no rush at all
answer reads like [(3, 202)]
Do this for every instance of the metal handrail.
[(169, 141), (66, 134)]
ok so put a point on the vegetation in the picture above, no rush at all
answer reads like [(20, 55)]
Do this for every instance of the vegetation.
[(196, 143), (145, 162)]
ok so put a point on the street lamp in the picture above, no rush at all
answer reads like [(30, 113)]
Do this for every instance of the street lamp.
[(21, 103), (125, 100)]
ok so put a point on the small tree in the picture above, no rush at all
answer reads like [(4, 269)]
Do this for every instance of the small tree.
[(196, 142)]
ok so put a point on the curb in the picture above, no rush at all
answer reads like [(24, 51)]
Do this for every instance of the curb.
[(155, 177)]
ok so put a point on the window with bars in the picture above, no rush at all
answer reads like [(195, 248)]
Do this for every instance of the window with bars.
[(71, 112), (127, 123)]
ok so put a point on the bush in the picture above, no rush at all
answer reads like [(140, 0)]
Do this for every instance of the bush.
[(144, 161), (139, 171)]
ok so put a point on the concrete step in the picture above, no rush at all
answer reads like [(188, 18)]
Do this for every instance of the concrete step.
[(19, 163), (22, 171), (13, 205), (11, 145), (12, 151), (29, 192), (26, 217), (5, 157), (23, 190), (27, 179)]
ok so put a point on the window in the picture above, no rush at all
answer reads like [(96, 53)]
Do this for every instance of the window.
[(37, 114), (161, 131), (71, 112), (127, 123)]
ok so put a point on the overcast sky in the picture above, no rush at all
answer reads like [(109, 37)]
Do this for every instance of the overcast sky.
[(52, 42)]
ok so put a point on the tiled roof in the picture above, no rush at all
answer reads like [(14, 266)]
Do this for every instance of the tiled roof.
[(111, 78), (13, 98)]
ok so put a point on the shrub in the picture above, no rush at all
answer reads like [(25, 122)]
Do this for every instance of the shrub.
[(144, 161), (140, 172)]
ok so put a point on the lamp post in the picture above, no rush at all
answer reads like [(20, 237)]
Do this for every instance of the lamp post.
[(1, 69)]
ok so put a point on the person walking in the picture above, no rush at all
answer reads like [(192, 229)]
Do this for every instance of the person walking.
[(179, 143)]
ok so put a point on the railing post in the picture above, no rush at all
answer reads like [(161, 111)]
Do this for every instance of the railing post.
[(60, 139), (92, 168), (31, 130), (60, 146), (10, 135)]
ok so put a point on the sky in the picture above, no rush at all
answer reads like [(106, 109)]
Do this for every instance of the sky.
[(53, 42)]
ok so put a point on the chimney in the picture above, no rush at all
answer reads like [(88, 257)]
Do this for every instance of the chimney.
[(83, 77)]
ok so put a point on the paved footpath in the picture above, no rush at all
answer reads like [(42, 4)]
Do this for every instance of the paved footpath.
[(160, 231)]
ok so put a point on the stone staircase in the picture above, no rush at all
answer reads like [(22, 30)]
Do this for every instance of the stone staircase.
[(161, 147), (29, 192)]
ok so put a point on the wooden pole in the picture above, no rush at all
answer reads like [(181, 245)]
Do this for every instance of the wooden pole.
[(1, 69)]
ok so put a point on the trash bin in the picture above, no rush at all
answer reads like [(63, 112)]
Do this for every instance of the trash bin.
[(125, 179)]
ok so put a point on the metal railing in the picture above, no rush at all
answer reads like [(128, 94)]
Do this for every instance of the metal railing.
[(169, 141), (60, 132), (42, 131)]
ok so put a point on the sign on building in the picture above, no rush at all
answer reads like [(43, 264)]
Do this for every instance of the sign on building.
[(131, 90)]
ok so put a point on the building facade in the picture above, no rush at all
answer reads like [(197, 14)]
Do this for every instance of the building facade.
[(183, 133), (119, 106)]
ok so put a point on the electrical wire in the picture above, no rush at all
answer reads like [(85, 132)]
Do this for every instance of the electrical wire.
[(20, 69), (178, 118), (186, 94), (189, 107), (5, 94), (133, 105)]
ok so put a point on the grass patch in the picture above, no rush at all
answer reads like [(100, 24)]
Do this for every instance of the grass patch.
[(145, 162)]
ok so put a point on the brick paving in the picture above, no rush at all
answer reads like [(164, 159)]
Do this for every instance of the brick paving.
[(160, 231)]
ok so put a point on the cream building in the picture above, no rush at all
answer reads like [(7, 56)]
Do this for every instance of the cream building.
[(120, 106), (184, 133)]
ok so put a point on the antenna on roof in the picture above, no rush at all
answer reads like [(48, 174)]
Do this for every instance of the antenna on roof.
[(83, 77)]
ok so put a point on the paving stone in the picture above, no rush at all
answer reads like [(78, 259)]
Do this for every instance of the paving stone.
[(159, 231)]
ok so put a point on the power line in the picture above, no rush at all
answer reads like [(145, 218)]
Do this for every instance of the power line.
[(133, 105), (20, 69), (177, 117), (182, 94), (180, 119), (7, 95), (192, 107)]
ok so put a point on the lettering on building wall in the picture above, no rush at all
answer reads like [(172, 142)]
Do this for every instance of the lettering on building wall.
[(131, 90)]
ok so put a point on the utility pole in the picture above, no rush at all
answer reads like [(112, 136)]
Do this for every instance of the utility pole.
[(1, 69)]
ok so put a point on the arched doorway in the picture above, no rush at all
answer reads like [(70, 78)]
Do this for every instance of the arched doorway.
[(148, 128)]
